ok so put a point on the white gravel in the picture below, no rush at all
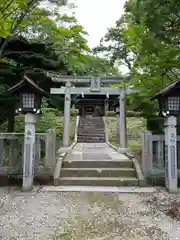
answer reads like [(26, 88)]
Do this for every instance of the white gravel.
[(80, 215)]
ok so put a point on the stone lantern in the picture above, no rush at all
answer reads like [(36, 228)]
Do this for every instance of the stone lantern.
[(169, 107), (29, 96)]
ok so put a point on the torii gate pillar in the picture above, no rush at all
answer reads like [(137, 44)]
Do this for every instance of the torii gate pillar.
[(67, 111), (122, 120)]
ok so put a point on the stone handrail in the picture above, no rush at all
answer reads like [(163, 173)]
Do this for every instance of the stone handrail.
[(106, 129), (76, 128)]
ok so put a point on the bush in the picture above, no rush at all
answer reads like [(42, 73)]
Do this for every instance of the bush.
[(133, 114), (74, 112), (50, 110), (155, 125), (48, 120)]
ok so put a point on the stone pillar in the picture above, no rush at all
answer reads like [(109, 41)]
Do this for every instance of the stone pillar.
[(67, 111), (147, 153), (171, 154), (29, 152), (117, 124), (122, 119)]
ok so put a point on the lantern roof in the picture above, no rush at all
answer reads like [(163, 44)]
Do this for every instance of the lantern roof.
[(25, 82), (169, 89)]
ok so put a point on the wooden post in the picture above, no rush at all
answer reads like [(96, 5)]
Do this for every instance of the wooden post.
[(67, 109), (147, 153), (50, 150)]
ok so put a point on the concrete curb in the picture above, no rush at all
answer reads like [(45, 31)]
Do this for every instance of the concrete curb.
[(141, 178), (67, 149), (127, 152), (60, 159), (111, 189), (58, 168)]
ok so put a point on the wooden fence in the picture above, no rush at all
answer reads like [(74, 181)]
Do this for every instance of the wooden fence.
[(153, 154), (11, 153)]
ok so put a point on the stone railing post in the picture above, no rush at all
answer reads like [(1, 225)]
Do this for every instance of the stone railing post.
[(50, 149), (147, 154)]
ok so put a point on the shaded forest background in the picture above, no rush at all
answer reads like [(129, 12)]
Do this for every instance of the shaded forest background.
[(36, 39)]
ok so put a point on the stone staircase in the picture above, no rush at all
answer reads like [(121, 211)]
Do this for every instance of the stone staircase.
[(91, 129), (97, 165)]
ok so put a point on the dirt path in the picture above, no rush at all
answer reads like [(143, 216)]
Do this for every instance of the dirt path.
[(81, 216)]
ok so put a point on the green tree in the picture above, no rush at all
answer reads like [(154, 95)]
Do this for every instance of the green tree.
[(146, 39), (13, 15), (24, 58)]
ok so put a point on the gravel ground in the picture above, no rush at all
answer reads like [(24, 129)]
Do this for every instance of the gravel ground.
[(93, 216)]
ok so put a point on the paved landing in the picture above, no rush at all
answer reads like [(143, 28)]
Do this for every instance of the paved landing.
[(98, 189), (94, 151)]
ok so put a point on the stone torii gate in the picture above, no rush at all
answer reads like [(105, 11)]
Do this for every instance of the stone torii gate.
[(94, 89)]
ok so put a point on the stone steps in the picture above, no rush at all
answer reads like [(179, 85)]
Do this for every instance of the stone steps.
[(91, 138), (91, 130), (91, 134), (99, 181), (97, 163), (84, 140), (98, 172)]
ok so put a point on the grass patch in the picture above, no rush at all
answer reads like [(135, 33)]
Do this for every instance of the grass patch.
[(101, 219), (108, 199), (135, 126)]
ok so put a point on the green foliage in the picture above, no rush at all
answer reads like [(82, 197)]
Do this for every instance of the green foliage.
[(48, 120), (74, 112), (14, 14), (34, 39), (135, 125), (146, 40), (53, 111)]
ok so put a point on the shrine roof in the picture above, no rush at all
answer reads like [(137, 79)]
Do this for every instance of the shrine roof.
[(170, 88)]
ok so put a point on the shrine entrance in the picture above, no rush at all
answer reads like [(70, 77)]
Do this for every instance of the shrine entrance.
[(88, 110), (96, 86), (94, 105)]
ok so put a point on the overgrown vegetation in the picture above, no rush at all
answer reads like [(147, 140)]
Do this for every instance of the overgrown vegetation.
[(48, 120), (135, 126)]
